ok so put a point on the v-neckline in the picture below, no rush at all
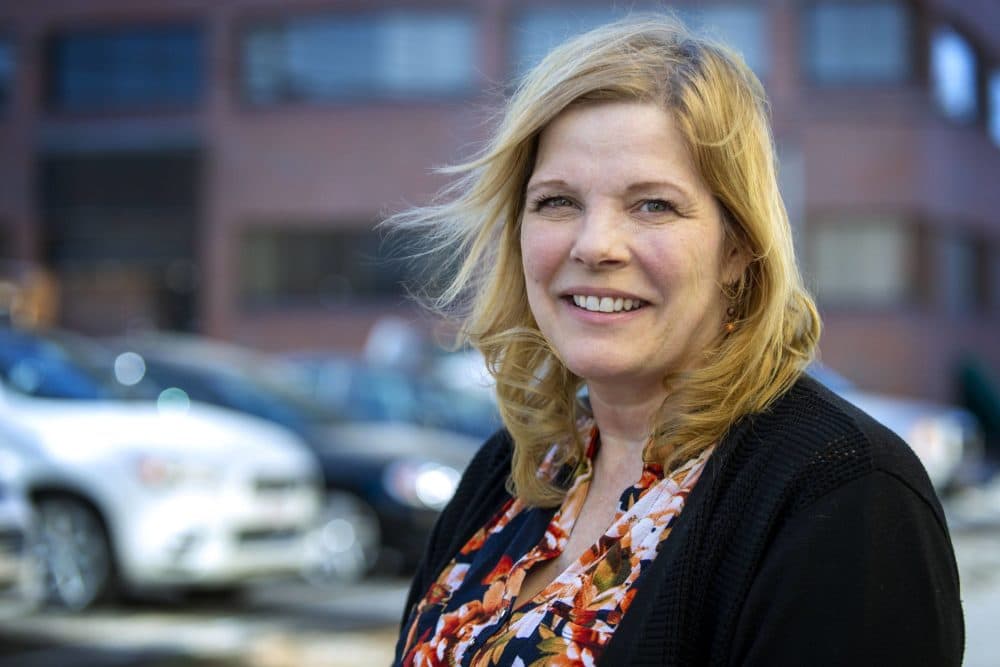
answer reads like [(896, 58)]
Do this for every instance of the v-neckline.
[(580, 487)]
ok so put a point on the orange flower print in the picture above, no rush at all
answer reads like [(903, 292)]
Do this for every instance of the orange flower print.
[(502, 569), (506, 513)]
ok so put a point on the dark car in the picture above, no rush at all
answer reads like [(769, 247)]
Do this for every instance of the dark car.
[(387, 393), (386, 482)]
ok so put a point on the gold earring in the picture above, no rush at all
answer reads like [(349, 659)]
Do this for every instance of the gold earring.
[(730, 325)]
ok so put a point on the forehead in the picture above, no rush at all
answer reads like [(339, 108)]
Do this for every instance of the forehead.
[(615, 141)]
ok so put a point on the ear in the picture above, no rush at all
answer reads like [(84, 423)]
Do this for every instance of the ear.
[(736, 253), (735, 259)]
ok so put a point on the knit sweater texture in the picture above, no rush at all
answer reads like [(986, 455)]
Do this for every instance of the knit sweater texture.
[(813, 537)]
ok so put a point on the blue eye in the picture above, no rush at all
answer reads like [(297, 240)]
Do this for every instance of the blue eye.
[(656, 206), (552, 202)]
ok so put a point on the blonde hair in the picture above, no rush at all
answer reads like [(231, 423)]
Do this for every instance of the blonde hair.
[(722, 111)]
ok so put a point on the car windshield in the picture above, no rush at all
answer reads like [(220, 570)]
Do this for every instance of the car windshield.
[(44, 368), (381, 393)]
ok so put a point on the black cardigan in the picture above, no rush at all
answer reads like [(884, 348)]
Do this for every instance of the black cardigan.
[(812, 538)]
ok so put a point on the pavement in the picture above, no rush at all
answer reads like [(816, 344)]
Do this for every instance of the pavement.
[(276, 625), (974, 519), (978, 553)]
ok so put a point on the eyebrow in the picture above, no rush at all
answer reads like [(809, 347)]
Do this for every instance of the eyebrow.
[(558, 183), (555, 183), (679, 188)]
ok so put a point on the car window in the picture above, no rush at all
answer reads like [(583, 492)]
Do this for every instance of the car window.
[(44, 369), (251, 392)]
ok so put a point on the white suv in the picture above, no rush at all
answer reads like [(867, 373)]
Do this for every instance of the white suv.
[(150, 493)]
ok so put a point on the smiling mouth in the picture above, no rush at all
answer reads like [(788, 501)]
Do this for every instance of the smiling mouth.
[(606, 304)]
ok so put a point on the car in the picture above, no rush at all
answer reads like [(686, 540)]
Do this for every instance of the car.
[(947, 439), (387, 393), (14, 528), (18, 578), (385, 482), (132, 492)]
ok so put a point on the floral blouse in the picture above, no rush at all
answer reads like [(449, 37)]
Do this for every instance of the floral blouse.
[(468, 615)]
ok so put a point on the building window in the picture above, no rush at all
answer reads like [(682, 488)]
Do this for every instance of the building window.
[(862, 261), (536, 31), (739, 26), (128, 206), (953, 74), (403, 55), (117, 69), (6, 72), (993, 91), (319, 266), (963, 279), (858, 42)]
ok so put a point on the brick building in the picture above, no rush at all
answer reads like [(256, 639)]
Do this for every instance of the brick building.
[(218, 165)]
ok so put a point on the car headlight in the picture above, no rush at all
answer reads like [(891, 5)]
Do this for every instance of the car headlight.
[(421, 483), (938, 443), (157, 471)]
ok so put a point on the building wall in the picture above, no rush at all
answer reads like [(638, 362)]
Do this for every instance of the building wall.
[(853, 152)]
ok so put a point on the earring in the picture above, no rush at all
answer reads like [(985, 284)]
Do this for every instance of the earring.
[(730, 325)]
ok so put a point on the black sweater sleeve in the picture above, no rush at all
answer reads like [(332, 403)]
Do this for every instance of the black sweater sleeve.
[(480, 492), (865, 575)]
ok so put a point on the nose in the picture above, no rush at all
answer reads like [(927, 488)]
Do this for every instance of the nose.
[(601, 241)]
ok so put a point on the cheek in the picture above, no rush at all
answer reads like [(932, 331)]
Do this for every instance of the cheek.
[(702, 295), (541, 253), (691, 260)]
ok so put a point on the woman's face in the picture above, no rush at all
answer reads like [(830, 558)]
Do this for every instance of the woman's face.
[(623, 246)]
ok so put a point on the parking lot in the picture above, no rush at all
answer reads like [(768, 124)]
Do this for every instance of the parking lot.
[(292, 623), (274, 625)]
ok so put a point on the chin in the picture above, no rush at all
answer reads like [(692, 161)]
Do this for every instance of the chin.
[(601, 370)]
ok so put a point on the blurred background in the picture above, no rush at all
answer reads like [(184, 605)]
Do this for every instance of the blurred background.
[(224, 429)]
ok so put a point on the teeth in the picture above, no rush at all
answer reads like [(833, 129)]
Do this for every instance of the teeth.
[(605, 304)]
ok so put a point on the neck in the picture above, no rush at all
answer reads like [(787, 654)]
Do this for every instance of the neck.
[(623, 417)]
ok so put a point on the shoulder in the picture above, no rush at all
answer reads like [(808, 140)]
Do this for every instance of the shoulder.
[(481, 490), (813, 442), (492, 460), (827, 505)]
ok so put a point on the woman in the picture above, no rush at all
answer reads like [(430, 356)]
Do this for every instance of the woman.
[(669, 489)]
